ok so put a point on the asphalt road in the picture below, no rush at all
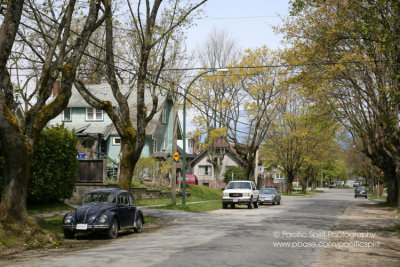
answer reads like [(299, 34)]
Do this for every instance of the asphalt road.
[(238, 237)]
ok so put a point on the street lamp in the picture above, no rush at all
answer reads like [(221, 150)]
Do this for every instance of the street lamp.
[(184, 130)]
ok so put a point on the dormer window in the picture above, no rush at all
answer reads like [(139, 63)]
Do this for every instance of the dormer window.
[(66, 115), (94, 114)]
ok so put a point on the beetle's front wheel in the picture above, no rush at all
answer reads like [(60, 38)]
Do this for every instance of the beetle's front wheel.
[(112, 232)]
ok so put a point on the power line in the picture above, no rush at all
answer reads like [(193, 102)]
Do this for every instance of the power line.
[(245, 17)]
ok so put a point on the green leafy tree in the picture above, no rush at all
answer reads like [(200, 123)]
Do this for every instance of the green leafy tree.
[(350, 50), (234, 173)]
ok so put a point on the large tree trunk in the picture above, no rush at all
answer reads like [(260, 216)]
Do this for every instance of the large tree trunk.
[(392, 187), (248, 168), (304, 183), (18, 159), (314, 183), (127, 164), (398, 190), (13, 204), (289, 183)]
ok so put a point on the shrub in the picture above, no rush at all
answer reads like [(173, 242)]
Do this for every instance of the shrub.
[(54, 166), (238, 174)]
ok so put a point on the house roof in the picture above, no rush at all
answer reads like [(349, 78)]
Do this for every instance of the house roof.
[(104, 92), (92, 128), (229, 150)]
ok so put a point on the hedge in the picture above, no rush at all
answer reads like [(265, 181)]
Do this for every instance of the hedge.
[(54, 166)]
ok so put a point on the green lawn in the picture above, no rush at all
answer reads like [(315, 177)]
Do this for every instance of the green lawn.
[(198, 193), (300, 194), (49, 207), (392, 229), (375, 197), (199, 207), (52, 226)]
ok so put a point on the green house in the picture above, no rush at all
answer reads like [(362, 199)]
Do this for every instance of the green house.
[(97, 135)]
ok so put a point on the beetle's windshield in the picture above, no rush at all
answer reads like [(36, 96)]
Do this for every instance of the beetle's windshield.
[(102, 197), (238, 185), (267, 191)]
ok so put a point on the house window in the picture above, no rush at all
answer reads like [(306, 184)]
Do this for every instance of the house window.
[(205, 170), (164, 115), (116, 141), (93, 114), (154, 145), (67, 114)]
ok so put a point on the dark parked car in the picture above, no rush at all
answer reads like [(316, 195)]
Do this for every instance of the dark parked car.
[(360, 191), (269, 195), (105, 210)]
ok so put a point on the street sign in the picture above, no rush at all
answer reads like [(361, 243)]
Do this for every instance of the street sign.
[(176, 156)]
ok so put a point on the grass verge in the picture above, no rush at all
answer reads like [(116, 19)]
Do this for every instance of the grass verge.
[(376, 197), (29, 236), (199, 207), (43, 233), (300, 194), (49, 207), (392, 229), (197, 193)]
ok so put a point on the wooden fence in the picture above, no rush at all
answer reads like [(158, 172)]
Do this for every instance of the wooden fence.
[(92, 171)]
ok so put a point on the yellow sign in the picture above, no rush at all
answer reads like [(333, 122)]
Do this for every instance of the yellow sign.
[(176, 156)]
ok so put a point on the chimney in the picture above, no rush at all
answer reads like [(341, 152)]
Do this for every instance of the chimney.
[(56, 88)]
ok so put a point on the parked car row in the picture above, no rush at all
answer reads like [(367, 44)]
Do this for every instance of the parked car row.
[(246, 193)]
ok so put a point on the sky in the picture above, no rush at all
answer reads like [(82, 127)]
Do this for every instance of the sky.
[(249, 22)]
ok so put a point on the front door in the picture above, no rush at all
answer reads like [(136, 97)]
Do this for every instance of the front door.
[(123, 209)]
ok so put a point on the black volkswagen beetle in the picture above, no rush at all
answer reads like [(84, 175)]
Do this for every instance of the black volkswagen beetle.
[(106, 210)]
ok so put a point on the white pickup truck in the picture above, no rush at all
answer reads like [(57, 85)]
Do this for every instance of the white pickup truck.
[(240, 192)]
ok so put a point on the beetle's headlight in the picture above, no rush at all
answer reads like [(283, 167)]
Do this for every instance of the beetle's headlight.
[(103, 218), (68, 219)]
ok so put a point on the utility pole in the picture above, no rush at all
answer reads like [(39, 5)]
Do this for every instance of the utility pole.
[(174, 146), (256, 170)]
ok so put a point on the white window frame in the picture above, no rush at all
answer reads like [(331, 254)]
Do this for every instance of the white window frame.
[(116, 143), (95, 112), (154, 145), (70, 115), (207, 170), (164, 115)]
